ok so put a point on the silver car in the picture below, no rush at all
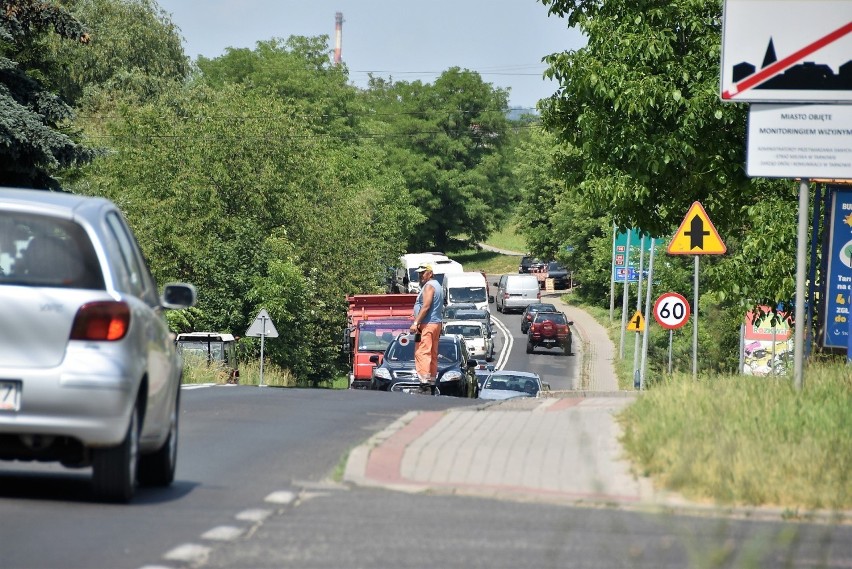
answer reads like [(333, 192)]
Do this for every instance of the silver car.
[(89, 374), (502, 385)]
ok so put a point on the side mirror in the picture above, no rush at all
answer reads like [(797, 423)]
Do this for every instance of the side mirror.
[(545, 386), (178, 295), (491, 299), (374, 358), (570, 323)]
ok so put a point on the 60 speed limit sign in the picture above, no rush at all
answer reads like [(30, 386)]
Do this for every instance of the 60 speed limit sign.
[(671, 311)]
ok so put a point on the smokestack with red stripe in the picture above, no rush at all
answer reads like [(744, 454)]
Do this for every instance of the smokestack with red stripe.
[(338, 37)]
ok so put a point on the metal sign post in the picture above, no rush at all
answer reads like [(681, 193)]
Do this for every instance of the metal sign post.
[(696, 236), (642, 366), (262, 327), (637, 381), (624, 299)]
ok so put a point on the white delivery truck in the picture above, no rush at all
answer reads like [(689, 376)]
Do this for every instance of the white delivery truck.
[(405, 276), (466, 287), (445, 267)]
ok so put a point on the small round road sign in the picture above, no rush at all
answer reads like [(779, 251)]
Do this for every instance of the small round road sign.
[(671, 311)]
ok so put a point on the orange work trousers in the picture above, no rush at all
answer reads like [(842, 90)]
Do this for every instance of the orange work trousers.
[(426, 352)]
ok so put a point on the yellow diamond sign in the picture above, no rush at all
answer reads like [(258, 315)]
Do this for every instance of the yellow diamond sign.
[(696, 235), (636, 323)]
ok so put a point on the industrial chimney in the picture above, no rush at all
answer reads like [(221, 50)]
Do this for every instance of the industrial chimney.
[(338, 37)]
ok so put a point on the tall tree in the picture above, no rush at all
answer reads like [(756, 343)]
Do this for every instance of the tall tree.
[(450, 140), (134, 50), (37, 137), (232, 190), (640, 102)]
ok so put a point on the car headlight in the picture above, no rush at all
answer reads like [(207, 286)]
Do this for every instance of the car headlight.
[(451, 376), (382, 373)]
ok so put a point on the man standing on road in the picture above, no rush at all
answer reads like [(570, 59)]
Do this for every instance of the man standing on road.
[(427, 324)]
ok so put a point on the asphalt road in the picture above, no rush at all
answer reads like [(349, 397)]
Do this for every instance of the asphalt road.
[(237, 445), (254, 489)]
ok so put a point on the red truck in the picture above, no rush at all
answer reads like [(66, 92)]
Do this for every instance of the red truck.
[(373, 321)]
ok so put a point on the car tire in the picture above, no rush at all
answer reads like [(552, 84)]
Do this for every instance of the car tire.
[(114, 468), (529, 347), (158, 468), (568, 348)]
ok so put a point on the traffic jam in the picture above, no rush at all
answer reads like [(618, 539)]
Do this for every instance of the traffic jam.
[(471, 360)]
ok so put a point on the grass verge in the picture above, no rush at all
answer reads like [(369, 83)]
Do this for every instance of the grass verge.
[(197, 370), (744, 440), (740, 440), (508, 239), (486, 261)]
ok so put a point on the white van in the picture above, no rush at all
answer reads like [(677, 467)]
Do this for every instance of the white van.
[(516, 292), (405, 276), (442, 267), (466, 287)]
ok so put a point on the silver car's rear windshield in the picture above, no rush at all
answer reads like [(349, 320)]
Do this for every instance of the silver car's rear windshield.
[(40, 250)]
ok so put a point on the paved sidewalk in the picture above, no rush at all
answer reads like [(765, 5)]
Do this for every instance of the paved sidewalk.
[(561, 449)]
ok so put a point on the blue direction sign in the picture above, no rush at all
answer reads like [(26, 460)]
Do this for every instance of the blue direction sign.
[(630, 273), (839, 273), (620, 256)]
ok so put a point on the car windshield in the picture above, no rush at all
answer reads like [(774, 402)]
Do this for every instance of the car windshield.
[(37, 250), (216, 350), (404, 351), (376, 335), (509, 382), (451, 310), (554, 266), (472, 315), (468, 294), (555, 317), (541, 308), (466, 330)]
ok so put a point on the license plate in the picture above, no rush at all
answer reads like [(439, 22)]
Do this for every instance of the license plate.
[(10, 395)]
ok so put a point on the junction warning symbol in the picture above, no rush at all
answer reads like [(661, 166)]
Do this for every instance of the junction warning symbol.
[(696, 235)]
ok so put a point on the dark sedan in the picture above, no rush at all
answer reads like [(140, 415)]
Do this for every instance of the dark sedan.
[(455, 368), (559, 274)]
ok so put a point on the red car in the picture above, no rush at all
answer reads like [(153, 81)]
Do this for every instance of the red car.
[(550, 330)]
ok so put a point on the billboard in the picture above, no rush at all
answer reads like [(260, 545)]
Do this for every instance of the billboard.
[(838, 280)]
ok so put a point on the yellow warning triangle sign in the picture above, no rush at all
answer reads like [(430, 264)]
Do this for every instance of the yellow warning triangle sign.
[(636, 323), (696, 235)]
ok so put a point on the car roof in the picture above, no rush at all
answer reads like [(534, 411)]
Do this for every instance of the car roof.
[(546, 313), (205, 335), (56, 202), (476, 312), (464, 322)]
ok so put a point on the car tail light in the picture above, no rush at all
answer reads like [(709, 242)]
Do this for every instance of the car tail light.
[(102, 321)]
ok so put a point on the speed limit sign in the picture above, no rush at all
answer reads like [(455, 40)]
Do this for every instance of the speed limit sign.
[(671, 310)]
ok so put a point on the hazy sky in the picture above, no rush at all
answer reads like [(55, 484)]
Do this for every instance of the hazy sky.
[(408, 40)]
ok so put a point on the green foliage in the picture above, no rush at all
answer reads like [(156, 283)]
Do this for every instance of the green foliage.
[(37, 137), (640, 107), (450, 142), (134, 50), (232, 190)]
